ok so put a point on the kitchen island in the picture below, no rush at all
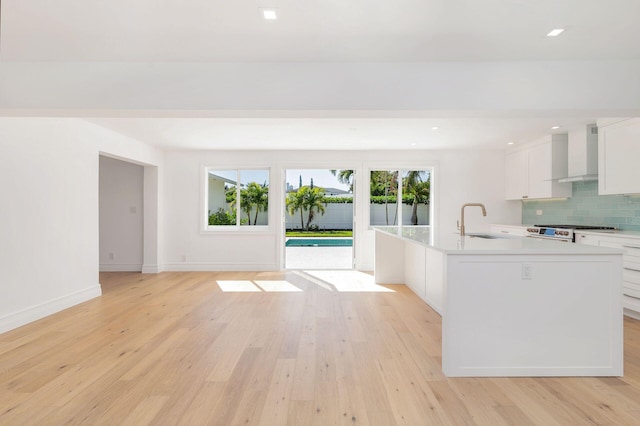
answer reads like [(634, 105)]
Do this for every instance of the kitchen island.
[(512, 306)]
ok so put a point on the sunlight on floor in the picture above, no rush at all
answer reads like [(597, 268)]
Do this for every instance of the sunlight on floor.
[(349, 281), (331, 280), (279, 286), (238, 286), (247, 286)]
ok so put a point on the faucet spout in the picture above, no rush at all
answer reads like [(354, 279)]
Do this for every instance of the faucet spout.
[(484, 213)]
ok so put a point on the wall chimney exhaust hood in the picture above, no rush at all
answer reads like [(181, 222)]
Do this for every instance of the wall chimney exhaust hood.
[(581, 178), (583, 155)]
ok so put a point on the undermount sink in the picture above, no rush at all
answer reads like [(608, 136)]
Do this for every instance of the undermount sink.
[(486, 236)]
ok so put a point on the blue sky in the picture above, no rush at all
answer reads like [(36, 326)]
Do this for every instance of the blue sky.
[(322, 178)]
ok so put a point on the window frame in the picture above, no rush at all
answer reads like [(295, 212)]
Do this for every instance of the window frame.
[(399, 205), (205, 228)]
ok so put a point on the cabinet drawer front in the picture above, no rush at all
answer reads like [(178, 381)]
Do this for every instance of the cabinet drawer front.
[(632, 303), (631, 276), (631, 256), (629, 289), (630, 262), (632, 250)]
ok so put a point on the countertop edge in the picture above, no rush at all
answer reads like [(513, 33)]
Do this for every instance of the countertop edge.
[(564, 249)]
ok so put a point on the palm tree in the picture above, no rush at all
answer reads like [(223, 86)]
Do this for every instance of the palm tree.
[(256, 195), (385, 183), (417, 189), (245, 201), (313, 198), (309, 199), (345, 177), (295, 202)]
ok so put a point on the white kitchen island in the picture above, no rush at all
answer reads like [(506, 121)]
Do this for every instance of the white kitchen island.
[(512, 306)]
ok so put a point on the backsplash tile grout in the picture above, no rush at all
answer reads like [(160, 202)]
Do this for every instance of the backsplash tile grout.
[(586, 207)]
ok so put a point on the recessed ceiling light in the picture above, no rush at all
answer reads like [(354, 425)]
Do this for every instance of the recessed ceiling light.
[(555, 32), (413, 144), (510, 143), (435, 128), (269, 14), (555, 127)]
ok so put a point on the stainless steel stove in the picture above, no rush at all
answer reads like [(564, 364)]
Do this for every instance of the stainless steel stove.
[(561, 232)]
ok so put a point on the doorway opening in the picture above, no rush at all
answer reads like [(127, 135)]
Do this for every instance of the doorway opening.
[(319, 219), (121, 215)]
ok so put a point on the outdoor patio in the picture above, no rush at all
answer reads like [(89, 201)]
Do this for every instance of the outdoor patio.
[(318, 257)]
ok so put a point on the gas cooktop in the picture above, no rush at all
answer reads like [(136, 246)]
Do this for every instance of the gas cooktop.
[(577, 227)]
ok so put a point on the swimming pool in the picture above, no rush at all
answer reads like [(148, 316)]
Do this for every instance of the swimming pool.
[(319, 242)]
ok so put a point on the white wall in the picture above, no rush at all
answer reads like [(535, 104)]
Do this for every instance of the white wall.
[(49, 212), (121, 215), (459, 177)]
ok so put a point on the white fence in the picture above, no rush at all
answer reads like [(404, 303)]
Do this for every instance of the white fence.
[(340, 216)]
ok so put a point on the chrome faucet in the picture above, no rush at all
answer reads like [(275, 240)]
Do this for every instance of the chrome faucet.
[(484, 213)]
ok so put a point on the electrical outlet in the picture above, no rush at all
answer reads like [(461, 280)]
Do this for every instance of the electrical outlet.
[(538, 212), (133, 209), (527, 271), (111, 256), (184, 258)]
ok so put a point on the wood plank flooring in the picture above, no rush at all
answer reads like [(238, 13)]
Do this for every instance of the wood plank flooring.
[(174, 348)]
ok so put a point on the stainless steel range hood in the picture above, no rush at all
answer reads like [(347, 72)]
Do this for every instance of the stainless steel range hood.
[(581, 178), (583, 155)]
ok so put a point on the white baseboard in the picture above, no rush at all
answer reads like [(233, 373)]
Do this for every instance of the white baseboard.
[(120, 267), (213, 267), (632, 314), (151, 269), (36, 312)]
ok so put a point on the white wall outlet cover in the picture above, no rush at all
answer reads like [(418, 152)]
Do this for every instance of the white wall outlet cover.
[(527, 271), (538, 212)]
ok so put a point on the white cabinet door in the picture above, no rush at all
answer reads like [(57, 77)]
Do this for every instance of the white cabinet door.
[(540, 171), (516, 175), (529, 173), (618, 158)]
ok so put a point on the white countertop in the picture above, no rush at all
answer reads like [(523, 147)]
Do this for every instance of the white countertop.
[(452, 243), (616, 233)]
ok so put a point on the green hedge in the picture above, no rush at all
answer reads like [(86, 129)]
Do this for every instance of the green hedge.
[(338, 200), (391, 199), (376, 199)]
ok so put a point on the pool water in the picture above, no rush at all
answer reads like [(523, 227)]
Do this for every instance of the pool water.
[(319, 242)]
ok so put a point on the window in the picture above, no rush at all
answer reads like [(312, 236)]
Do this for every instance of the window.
[(389, 187), (237, 198)]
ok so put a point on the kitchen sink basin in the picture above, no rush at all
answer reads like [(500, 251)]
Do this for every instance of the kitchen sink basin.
[(486, 236)]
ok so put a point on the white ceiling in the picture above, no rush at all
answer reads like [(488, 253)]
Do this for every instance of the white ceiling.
[(322, 31)]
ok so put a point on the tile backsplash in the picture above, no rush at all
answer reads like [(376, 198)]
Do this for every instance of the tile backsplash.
[(586, 207)]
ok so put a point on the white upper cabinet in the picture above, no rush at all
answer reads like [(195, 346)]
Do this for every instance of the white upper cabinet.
[(529, 172), (516, 182), (619, 157)]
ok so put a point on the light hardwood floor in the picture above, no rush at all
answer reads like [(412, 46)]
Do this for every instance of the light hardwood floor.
[(174, 348)]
